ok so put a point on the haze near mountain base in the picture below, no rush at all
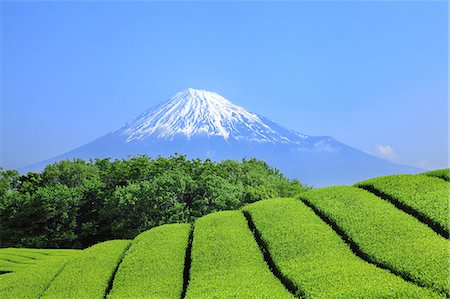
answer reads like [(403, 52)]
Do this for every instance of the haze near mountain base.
[(203, 124)]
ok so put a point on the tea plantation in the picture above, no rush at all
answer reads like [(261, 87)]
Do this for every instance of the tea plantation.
[(382, 238)]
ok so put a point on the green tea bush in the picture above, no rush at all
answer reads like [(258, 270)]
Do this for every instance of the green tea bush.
[(440, 173), (14, 259), (227, 262), (32, 281), (427, 198), (316, 260), (388, 236), (7, 266), (88, 275), (153, 266)]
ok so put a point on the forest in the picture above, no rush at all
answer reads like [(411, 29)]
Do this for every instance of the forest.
[(77, 203)]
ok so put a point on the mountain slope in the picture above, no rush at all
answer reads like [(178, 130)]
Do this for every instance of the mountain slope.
[(203, 124), (203, 113)]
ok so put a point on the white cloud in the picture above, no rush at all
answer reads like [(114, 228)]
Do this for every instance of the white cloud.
[(324, 146), (385, 151), (320, 146), (424, 164)]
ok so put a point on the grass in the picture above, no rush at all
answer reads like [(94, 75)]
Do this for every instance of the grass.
[(32, 282), (153, 266), (316, 260), (427, 198), (440, 173), (227, 263), (389, 237), (89, 274)]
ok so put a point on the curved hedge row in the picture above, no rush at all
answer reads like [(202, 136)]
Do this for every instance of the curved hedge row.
[(15, 259), (388, 236), (426, 198), (153, 266), (439, 173), (311, 255), (89, 275), (227, 263), (33, 282)]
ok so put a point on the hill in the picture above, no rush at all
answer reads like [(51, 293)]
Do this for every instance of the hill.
[(383, 237), (203, 124)]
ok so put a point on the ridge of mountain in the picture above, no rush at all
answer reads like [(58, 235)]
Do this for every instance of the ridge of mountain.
[(203, 124)]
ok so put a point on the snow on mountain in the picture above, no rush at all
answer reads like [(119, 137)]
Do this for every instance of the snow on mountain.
[(202, 124), (200, 112)]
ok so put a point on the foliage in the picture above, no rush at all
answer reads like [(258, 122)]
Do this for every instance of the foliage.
[(17, 259), (7, 266), (46, 217), (9, 180), (426, 196), (134, 212), (227, 263), (439, 173), (14, 259), (32, 282), (317, 261), (39, 253), (74, 204), (88, 275), (388, 236), (153, 266), (304, 243)]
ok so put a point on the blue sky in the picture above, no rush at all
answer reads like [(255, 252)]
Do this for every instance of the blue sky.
[(371, 74)]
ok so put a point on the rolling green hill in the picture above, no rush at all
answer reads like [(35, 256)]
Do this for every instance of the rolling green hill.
[(382, 238)]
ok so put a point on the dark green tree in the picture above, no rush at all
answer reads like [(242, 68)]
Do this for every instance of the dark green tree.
[(79, 203)]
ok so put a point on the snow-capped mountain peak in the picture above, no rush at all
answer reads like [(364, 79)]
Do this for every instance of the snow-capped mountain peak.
[(199, 112), (204, 125)]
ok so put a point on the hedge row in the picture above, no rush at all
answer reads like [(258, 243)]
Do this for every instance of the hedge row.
[(388, 236), (425, 197), (14, 259), (440, 173), (32, 282), (317, 261), (153, 266), (227, 262), (89, 275)]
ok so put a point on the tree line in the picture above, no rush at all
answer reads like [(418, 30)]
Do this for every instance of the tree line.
[(74, 204)]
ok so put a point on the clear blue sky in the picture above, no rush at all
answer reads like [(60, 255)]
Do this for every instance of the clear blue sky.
[(371, 74)]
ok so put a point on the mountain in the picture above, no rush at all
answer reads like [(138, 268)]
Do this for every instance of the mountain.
[(203, 124), (192, 113)]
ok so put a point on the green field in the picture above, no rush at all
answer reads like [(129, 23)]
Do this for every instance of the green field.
[(425, 197), (335, 242), (227, 263), (89, 275), (440, 173), (154, 264), (316, 259), (15, 259), (387, 236)]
